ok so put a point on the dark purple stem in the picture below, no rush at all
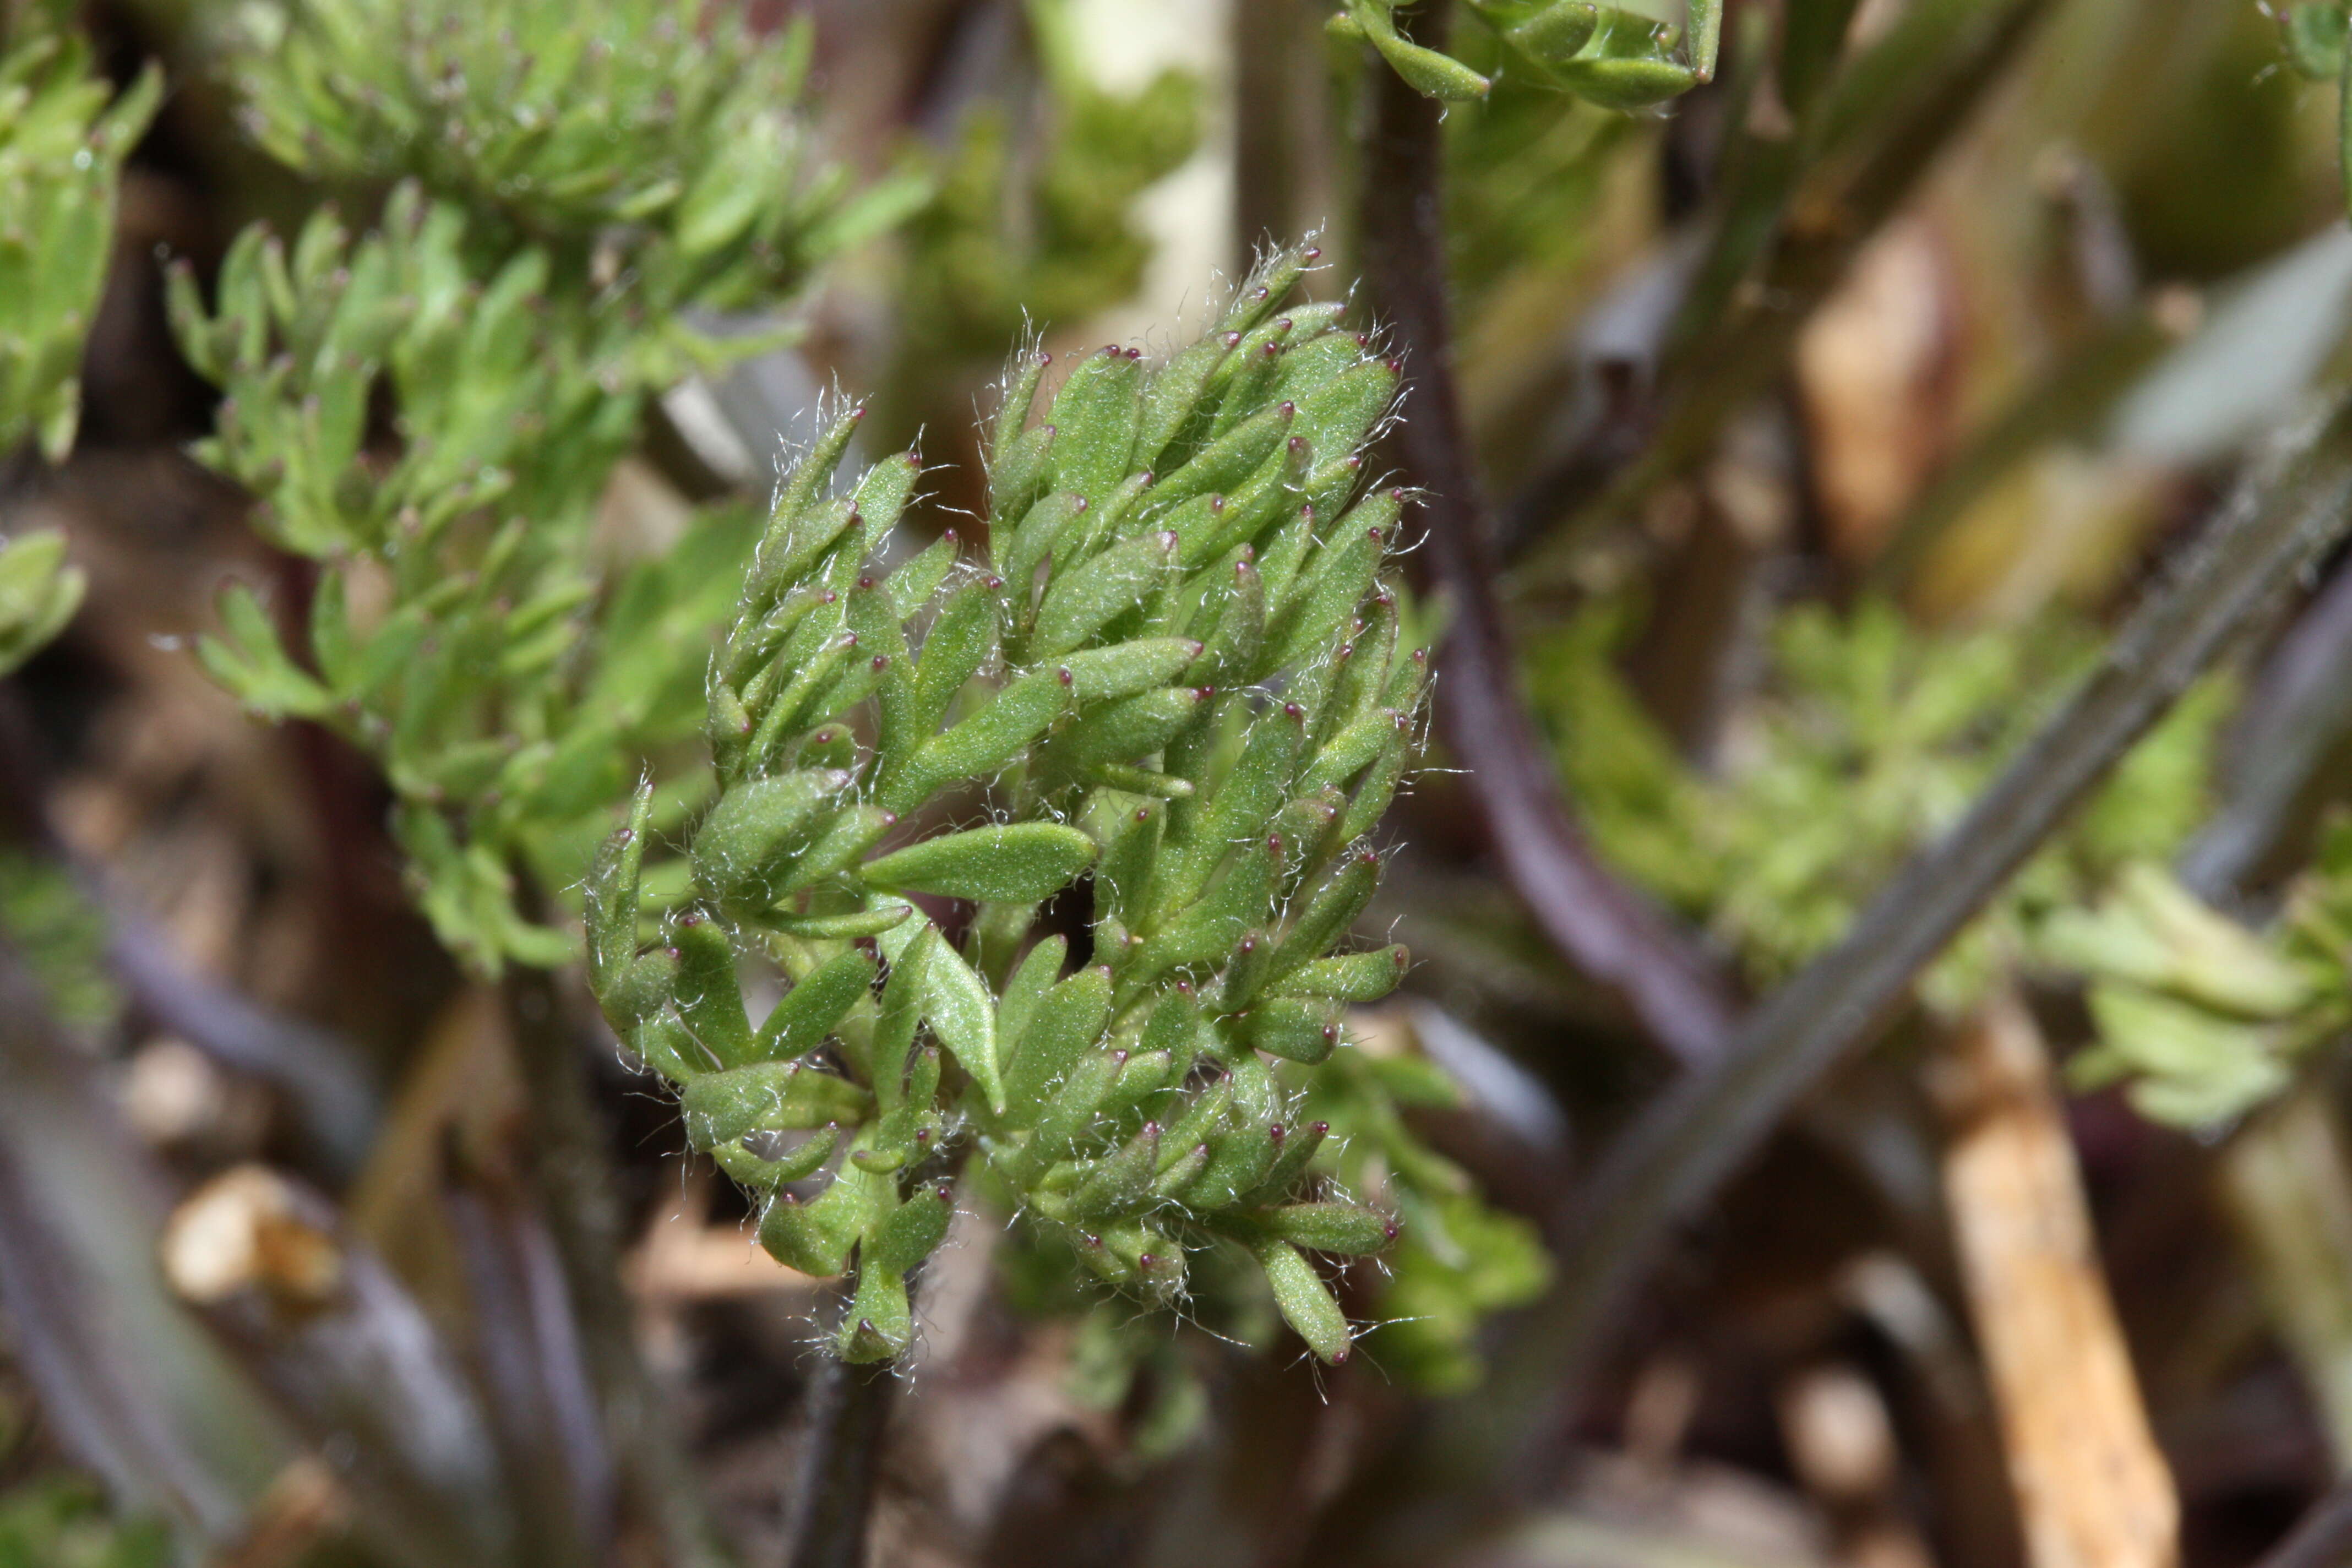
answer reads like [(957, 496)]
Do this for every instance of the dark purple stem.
[(848, 1421), (1604, 928)]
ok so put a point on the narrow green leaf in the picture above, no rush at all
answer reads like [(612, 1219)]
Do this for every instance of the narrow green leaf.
[(809, 1011), (1356, 977), (1065, 1022), (1305, 1302), (708, 997), (963, 1016), (1022, 862), (744, 850), (723, 1107)]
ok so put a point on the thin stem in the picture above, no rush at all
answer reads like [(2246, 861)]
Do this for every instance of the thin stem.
[(849, 1416), (2288, 742), (849, 1420), (526, 1347), (1603, 927), (1265, 193)]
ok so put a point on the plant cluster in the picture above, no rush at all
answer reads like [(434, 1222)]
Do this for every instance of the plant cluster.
[(63, 1521), (1869, 740), (1170, 705), (1610, 56), (430, 413), (2200, 1016), (658, 152), (63, 137), (574, 199), (448, 622)]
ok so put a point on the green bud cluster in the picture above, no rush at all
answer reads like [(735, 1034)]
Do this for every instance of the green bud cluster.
[(660, 143), (1615, 57), (61, 151), (1176, 680)]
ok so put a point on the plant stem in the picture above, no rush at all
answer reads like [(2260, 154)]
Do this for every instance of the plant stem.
[(2287, 749), (103, 1405), (1603, 927), (849, 1416), (541, 1406)]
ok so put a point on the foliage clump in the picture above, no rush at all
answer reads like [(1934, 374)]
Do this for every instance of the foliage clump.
[(448, 624), (62, 1521), (660, 146), (1869, 739), (1616, 57), (575, 198), (2200, 1016), (1170, 705), (1456, 1260), (62, 143)]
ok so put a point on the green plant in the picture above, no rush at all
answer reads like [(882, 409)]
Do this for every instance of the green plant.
[(2200, 1016), (1525, 173), (62, 1521), (575, 200), (660, 146), (61, 938), (62, 143), (1869, 741), (1456, 1260), (449, 625), (39, 592), (61, 148), (1616, 57), (1176, 697)]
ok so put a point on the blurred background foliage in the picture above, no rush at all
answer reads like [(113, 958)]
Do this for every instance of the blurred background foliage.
[(1830, 414)]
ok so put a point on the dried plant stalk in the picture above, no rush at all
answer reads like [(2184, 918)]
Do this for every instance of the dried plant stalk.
[(2092, 1490)]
